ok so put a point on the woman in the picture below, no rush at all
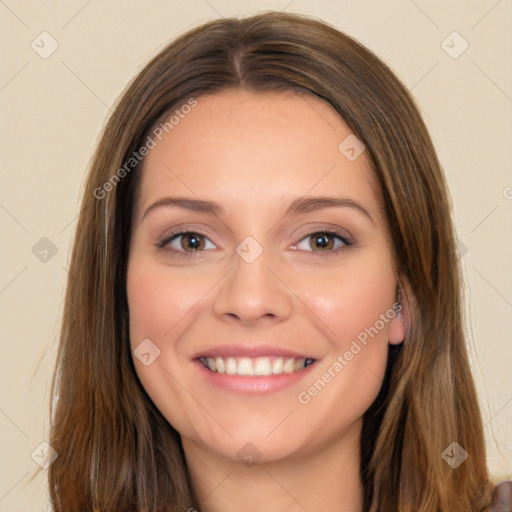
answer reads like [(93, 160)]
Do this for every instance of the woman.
[(263, 310)]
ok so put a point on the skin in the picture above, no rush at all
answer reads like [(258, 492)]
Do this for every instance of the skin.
[(254, 153)]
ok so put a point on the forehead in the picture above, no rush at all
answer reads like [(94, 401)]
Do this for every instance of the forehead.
[(255, 150)]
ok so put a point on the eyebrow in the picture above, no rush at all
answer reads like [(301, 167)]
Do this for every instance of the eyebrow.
[(299, 205)]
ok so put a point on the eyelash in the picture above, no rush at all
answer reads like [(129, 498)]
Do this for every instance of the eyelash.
[(161, 245)]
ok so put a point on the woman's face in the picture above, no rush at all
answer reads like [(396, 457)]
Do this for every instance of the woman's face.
[(293, 321)]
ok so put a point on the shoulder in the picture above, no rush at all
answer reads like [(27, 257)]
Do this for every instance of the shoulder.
[(502, 497)]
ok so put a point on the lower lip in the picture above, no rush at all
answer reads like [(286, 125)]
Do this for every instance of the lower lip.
[(262, 384)]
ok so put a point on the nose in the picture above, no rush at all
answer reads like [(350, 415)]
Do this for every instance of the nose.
[(253, 291)]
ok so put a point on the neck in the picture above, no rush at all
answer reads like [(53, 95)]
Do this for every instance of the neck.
[(324, 479)]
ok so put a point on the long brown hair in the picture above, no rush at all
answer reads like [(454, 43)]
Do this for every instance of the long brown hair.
[(116, 451)]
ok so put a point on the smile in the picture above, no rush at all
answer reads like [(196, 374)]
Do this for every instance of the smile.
[(257, 366)]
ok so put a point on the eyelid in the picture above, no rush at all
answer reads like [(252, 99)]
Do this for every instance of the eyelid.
[(173, 235), (329, 229)]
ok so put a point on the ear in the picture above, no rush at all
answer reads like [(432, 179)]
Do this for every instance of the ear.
[(396, 332), (399, 324)]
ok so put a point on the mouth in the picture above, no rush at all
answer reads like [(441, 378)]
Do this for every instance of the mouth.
[(256, 366)]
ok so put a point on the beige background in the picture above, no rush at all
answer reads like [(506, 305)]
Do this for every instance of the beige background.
[(53, 109)]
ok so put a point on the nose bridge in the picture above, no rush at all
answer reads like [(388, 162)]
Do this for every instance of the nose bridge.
[(251, 289)]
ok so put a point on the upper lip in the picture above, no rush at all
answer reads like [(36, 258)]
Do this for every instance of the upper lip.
[(251, 351)]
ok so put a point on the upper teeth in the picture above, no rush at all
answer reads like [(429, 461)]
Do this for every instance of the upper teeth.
[(256, 365)]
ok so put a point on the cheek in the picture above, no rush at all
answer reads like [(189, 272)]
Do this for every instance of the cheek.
[(352, 303), (158, 305), (351, 300), (159, 300)]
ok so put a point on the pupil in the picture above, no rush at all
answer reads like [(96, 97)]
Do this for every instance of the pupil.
[(193, 242), (322, 241)]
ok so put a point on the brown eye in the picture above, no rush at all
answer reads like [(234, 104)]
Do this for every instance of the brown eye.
[(322, 241), (192, 241), (186, 243)]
